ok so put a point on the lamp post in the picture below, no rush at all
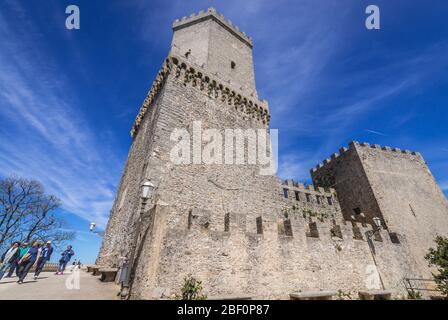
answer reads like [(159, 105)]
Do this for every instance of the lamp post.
[(147, 189), (369, 235), (92, 226)]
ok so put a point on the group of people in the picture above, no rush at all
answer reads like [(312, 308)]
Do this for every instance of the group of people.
[(21, 257)]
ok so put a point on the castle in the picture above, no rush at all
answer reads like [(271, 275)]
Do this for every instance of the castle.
[(246, 234)]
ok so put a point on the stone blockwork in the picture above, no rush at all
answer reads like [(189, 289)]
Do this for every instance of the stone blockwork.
[(308, 201), (240, 232), (395, 185)]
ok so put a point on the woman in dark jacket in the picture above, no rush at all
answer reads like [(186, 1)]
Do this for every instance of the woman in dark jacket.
[(28, 260)]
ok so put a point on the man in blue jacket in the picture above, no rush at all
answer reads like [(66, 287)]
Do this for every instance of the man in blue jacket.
[(45, 256), (66, 256)]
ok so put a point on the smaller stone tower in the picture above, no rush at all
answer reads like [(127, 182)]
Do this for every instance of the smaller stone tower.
[(395, 185)]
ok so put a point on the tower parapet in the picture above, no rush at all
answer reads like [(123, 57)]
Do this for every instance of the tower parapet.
[(211, 13), (353, 144)]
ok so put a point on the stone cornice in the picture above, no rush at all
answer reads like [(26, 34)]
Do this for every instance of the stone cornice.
[(196, 77)]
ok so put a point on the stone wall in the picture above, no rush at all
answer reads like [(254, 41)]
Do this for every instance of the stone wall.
[(233, 228), (212, 42), (409, 198), (309, 201), (395, 185)]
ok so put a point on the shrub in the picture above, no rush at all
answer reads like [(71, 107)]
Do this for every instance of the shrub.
[(191, 290), (439, 257)]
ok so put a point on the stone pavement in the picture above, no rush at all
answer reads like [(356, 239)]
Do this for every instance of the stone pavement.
[(78, 285)]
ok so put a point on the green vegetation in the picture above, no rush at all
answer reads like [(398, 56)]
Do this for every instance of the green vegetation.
[(439, 257), (191, 290)]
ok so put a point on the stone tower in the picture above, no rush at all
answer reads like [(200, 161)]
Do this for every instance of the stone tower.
[(395, 185), (224, 219), (207, 82)]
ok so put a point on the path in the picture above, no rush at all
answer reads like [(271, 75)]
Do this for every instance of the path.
[(70, 286)]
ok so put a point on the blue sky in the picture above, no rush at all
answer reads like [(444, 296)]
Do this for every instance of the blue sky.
[(68, 97)]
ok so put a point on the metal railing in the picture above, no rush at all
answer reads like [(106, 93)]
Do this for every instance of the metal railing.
[(420, 284)]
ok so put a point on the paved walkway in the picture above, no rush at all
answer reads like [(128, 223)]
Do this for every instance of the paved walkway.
[(78, 285)]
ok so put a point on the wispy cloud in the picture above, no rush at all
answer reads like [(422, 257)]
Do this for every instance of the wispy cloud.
[(44, 133), (375, 132)]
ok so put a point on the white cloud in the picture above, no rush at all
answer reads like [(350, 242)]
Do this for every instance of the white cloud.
[(44, 134)]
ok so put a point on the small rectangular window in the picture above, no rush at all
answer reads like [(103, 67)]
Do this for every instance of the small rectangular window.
[(330, 201), (232, 65), (259, 221), (318, 199), (285, 193), (227, 222), (297, 195), (308, 197), (288, 227)]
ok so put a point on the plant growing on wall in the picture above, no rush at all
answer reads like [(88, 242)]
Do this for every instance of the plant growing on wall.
[(414, 294), (191, 290), (438, 257), (342, 295)]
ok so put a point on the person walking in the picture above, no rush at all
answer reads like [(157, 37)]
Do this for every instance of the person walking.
[(8, 258), (45, 256), (23, 249), (66, 256), (28, 260)]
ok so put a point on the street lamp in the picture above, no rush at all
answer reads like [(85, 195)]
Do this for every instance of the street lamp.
[(147, 189), (377, 222), (369, 235), (92, 226)]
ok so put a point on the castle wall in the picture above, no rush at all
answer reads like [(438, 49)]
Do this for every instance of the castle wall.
[(272, 264), (310, 201), (243, 233), (120, 229), (210, 222)]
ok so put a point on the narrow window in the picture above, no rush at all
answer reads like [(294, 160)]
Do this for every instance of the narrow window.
[(314, 233), (259, 225), (297, 195), (232, 65), (285, 193), (226, 222), (288, 227), (318, 199), (394, 237), (330, 201), (308, 197)]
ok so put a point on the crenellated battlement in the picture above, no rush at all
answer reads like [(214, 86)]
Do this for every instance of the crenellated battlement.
[(211, 13), (355, 144), (292, 226), (299, 186), (215, 89)]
